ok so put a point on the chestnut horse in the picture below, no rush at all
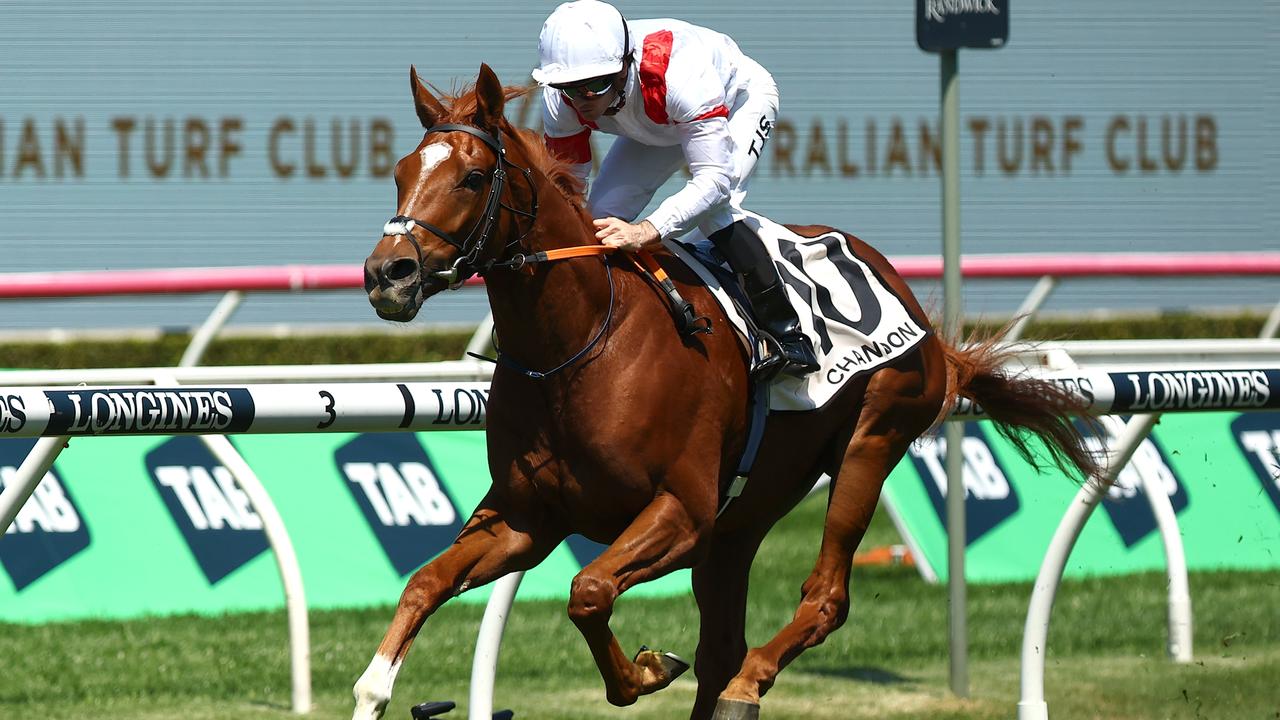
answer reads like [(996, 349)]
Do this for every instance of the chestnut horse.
[(605, 421)]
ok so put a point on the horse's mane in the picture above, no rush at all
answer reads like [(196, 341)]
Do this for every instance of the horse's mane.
[(461, 107)]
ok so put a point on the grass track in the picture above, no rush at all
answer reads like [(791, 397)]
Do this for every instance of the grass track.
[(1106, 656)]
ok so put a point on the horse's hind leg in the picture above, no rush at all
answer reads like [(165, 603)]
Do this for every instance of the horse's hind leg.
[(491, 545), (898, 407), (720, 581), (665, 536)]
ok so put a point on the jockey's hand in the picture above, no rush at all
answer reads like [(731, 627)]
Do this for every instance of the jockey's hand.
[(623, 235)]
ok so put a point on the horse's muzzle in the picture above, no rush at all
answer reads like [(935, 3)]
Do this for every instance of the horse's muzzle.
[(398, 286), (394, 286)]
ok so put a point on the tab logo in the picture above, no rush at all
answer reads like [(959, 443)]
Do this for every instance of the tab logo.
[(47, 531), (1258, 436), (211, 511), (1126, 502), (396, 486), (990, 498)]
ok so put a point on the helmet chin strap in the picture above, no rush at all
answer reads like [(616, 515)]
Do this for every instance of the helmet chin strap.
[(626, 69), (621, 90)]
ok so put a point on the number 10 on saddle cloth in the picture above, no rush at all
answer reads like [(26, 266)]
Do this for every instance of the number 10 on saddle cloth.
[(855, 322)]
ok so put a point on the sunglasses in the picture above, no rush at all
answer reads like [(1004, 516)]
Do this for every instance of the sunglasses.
[(588, 89)]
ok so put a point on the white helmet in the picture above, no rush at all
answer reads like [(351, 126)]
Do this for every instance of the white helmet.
[(581, 40)]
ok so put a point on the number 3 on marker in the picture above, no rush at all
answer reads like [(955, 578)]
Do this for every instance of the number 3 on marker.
[(328, 410)]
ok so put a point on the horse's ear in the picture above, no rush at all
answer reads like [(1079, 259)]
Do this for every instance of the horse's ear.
[(490, 99), (428, 107)]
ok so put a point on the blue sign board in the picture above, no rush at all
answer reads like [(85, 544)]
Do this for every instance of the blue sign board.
[(953, 24)]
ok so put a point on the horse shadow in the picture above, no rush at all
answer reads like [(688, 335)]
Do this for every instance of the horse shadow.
[(864, 674)]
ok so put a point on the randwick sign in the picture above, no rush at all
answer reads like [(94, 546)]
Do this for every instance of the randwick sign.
[(952, 24)]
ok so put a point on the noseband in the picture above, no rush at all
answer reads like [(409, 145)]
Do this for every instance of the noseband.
[(472, 247)]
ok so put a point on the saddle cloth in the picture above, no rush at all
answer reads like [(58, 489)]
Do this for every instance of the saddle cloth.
[(855, 322)]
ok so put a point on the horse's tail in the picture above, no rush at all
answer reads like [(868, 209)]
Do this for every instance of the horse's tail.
[(1019, 404)]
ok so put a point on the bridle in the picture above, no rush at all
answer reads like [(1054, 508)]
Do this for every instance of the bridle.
[(473, 246)]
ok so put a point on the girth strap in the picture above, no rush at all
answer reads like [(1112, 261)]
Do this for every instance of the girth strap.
[(757, 414)]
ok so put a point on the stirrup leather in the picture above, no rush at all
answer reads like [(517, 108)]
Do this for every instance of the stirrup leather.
[(687, 319)]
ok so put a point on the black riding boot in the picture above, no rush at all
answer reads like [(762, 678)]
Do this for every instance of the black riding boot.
[(748, 257)]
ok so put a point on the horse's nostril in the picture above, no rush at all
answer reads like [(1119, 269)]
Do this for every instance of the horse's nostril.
[(399, 269)]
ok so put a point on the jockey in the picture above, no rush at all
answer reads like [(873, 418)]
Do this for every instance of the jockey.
[(675, 94)]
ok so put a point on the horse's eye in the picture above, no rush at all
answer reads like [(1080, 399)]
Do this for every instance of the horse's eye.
[(474, 180)]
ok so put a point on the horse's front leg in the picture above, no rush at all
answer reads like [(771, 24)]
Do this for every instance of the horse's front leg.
[(720, 589), (494, 542), (665, 536)]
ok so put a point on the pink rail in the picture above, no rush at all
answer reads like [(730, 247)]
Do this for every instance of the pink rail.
[(288, 278)]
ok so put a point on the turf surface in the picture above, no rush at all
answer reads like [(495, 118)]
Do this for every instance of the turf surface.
[(1106, 653)]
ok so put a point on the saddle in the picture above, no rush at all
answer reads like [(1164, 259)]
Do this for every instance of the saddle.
[(758, 344), (855, 321)]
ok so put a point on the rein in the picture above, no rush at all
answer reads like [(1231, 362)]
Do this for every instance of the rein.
[(504, 359)]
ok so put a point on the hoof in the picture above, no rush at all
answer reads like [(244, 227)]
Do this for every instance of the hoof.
[(673, 666), (664, 667), (736, 710)]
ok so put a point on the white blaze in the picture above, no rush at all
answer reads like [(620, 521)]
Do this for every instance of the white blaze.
[(434, 154)]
